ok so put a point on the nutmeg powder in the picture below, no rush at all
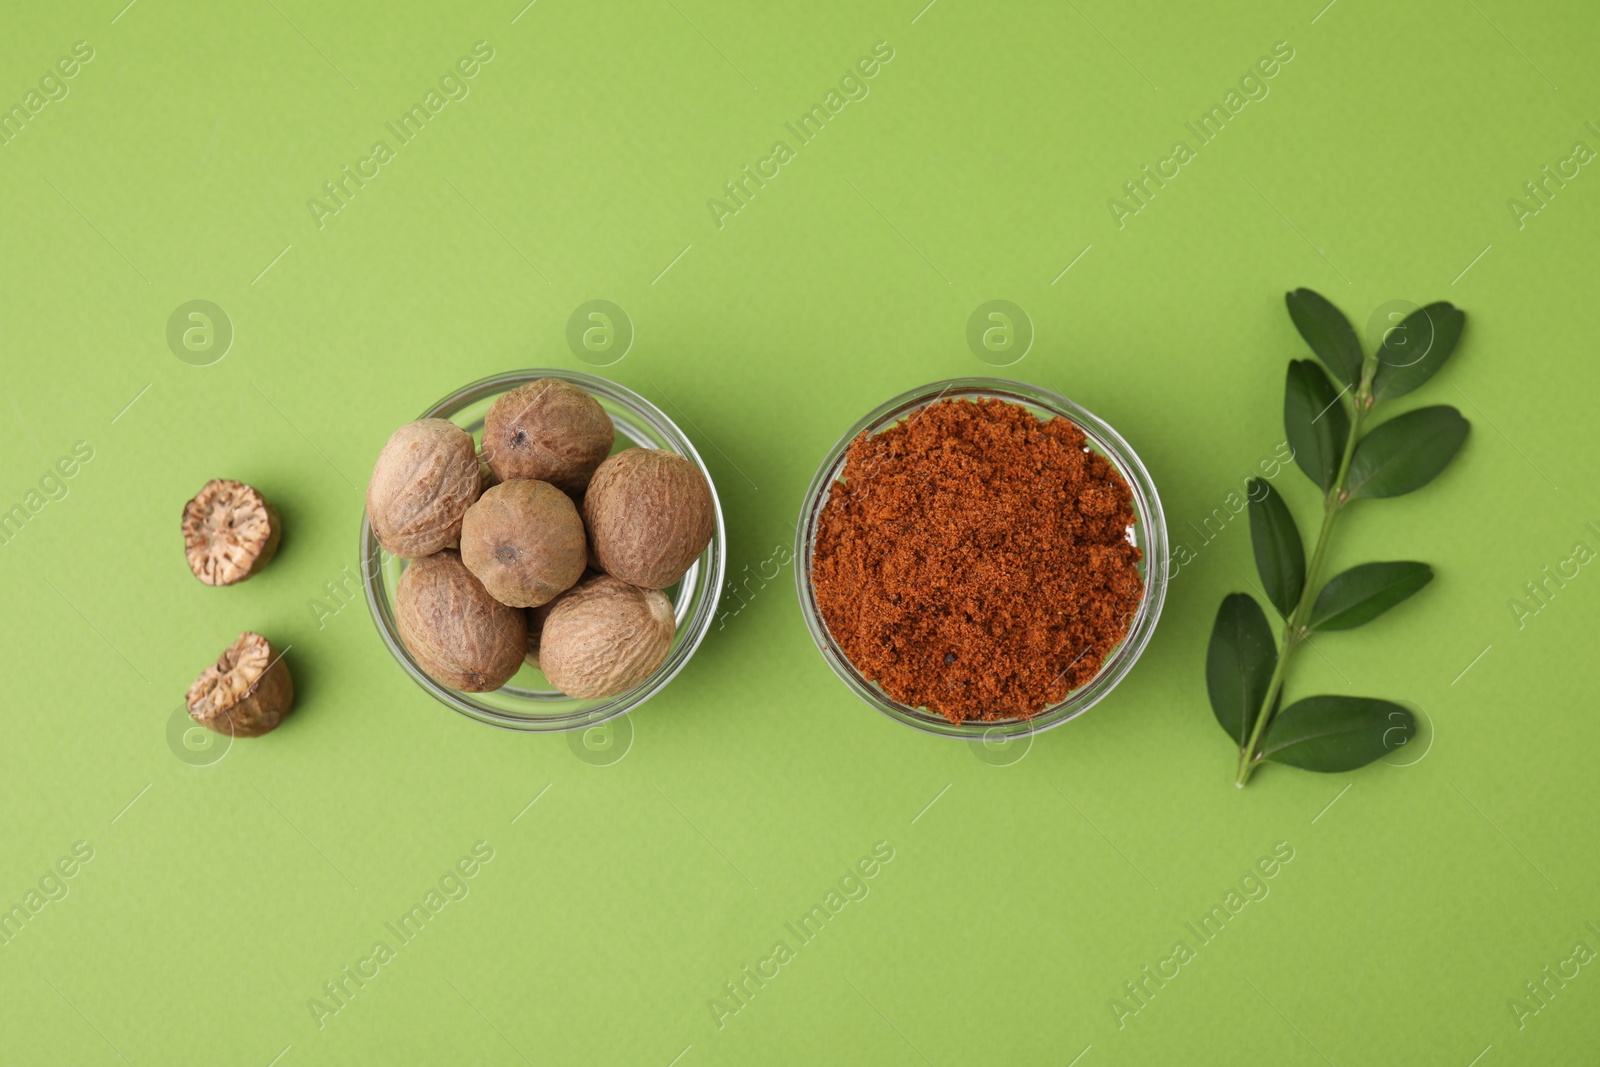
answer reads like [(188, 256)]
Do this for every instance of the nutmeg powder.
[(974, 560)]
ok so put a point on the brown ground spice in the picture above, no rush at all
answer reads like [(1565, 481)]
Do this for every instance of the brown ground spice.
[(975, 561)]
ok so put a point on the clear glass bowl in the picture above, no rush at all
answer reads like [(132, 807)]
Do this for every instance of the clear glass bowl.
[(1149, 533), (528, 702)]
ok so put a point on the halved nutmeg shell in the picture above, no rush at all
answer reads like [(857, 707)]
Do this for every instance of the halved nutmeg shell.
[(229, 532), (246, 693)]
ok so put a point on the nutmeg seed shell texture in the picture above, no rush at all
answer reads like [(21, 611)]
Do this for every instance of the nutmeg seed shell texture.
[(605, 637), (550, 431), (425, 479), (650, 514), (459, 635), (524, 541)]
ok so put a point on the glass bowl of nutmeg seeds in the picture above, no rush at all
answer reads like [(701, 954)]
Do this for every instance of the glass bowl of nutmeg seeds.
[(981, 559), (529, 700)]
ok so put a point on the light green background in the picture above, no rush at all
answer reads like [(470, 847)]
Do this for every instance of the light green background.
[(220, 898)]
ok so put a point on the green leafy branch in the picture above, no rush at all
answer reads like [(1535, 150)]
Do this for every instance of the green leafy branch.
[(1245, 671)]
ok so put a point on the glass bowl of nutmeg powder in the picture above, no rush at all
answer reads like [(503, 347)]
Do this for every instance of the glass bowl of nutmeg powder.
[(981, 558)]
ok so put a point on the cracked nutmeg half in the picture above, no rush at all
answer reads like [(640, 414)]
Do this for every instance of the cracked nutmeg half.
[(229, 532), (246, 693)]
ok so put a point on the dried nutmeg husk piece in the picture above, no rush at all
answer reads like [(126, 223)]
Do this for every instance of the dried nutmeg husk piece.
[(246, 693), (459, 635), (605, 637), (650, 514), (229, 532), (550, 431), (425, 479)]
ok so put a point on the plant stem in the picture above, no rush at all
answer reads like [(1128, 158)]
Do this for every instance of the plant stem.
[(1294, 627)]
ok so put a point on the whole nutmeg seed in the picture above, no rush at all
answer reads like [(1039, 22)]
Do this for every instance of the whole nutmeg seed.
[(425, 479), (229, 532), (550, 431), (246, 693), (525, 542), (605, 637), (459, 635), (650, 514)]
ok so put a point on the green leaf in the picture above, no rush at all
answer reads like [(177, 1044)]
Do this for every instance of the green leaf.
[(1407, 452), (1336, 733), (1414, 351), (1280, 556), (1362, 593), (1239, 664), (1328, 332), (1314, 422)]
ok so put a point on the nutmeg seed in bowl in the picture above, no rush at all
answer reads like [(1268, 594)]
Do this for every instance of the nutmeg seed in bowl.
[(548, 430), (425, 479), (650, 515), (459, 634), (605, 637), (524, 541)]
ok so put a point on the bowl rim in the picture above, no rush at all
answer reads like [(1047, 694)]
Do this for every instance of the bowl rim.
[(1105, 440), (703, 602)]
